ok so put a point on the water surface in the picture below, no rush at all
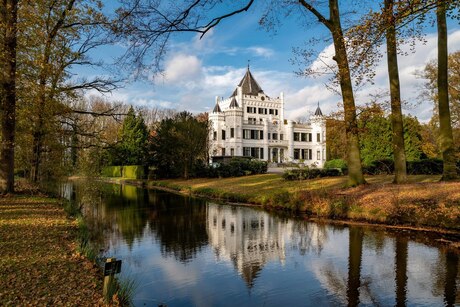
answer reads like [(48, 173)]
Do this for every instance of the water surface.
[(184, 251)]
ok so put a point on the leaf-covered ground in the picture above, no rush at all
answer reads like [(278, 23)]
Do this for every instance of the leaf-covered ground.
[(39, 264)]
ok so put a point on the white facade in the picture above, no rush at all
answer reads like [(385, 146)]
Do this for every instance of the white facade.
[(250, 123)]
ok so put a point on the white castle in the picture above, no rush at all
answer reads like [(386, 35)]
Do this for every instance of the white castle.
[(251, 124)]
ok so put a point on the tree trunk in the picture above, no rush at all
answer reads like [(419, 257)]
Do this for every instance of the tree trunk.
[(8, 22), (446, 138), (399, 153), (355, 174)]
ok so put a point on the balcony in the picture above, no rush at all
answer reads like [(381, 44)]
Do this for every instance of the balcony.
[(282, 143), (252, 122)]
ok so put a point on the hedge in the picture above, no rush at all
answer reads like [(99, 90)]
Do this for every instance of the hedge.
[(236, 167), (133, 171), (112, 171), (310, 173), (127, 171)]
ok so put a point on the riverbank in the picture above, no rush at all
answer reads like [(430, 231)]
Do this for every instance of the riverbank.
[(423, 202), (39, 262)]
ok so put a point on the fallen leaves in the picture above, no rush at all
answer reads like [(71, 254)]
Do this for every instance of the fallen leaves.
[(38, 261)]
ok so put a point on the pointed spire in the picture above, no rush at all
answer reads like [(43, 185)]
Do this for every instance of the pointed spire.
[(217, 108), (249, 85), (318, 111), (233, 103)]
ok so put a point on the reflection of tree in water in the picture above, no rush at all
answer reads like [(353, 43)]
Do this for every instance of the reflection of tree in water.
[(309, 237), (125, 205), (179, 223), (349, 286), (445, 272)]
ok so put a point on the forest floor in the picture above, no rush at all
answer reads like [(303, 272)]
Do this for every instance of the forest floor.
[(39, 262), (423, 202)]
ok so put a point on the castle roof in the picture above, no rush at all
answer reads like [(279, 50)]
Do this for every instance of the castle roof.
[(216, 109), (249, 85), (233, 103), (318, 111)]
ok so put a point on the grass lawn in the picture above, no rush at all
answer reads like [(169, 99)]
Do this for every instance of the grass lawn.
[(422, 202), (259, 185), (39, 264)]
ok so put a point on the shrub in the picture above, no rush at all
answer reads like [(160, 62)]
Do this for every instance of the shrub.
[(236, 167), (310, 173), (425, 167), (379, 167), (336, 163), (133, 171), (112, 171)]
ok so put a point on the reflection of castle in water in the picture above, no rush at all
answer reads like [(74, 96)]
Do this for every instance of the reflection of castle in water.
[(247, 238)]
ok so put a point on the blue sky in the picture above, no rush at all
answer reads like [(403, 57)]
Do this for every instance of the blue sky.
[(196, 70)]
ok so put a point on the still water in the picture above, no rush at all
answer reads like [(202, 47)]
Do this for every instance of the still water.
[(183, 251)]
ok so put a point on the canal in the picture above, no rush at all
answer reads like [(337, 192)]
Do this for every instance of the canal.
[(184, 251)]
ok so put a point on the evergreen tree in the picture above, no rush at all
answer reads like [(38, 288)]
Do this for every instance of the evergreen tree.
[(375, 140), (131, 149), (412, 138)]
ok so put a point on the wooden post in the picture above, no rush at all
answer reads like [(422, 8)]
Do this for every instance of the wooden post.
[(108, 279)]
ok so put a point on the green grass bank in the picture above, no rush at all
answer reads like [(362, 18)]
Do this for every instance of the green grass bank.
[(422, 202)]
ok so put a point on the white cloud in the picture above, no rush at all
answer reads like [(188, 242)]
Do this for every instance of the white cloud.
[(262, 51), (182, 68), (190, 85)]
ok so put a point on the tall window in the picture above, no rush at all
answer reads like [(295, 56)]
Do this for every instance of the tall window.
[(223, 151), (232, 151), (296, 153), (275, 136), (310, 137), (214, 135), (281, 136), (232, 132), (303, 137), (318, 155), (296, 136), (223, 134), (318, 137)]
